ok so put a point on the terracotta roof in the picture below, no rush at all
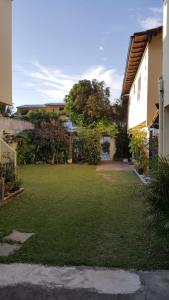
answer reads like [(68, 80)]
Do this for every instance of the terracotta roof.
[(137, 46), (55, 104), (40, 105), (31, 106)]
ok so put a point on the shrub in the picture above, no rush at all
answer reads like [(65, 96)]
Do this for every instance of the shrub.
[(122, 143), (78, 150), (92, 147), (48, 144), (138, 147), (158, 193)]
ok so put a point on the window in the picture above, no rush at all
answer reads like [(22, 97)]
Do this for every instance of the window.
[(139, 89)]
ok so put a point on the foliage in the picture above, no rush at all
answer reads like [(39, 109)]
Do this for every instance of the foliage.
[(8, 172), (78, 150), (138, 148), (158, 192), (153, 146), (88, 102), (47, 144), (12, 182), (120, 119), (122, 143), (39, 117), (87, 146), (92, 146)]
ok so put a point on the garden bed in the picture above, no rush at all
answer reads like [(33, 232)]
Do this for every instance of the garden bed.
[(10, 196)]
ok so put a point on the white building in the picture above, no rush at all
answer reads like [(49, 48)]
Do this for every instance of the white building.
[(143, 69)]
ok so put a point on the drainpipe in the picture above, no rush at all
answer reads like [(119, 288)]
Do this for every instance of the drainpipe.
[(161, 114)]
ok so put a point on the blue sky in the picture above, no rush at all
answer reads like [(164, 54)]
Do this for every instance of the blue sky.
[(58, 42)]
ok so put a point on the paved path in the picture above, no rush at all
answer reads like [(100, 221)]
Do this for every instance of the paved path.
[(29, 282), (113, 166)]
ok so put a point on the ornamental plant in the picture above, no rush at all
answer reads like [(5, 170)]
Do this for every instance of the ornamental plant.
[(158, 193), (138, 147)]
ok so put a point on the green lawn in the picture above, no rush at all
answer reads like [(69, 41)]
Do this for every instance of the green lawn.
[(82, 218)]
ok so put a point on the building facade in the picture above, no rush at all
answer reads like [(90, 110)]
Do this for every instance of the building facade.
[(164, 87), (6, 152), (48, 107), (6, 52), (143, 69)]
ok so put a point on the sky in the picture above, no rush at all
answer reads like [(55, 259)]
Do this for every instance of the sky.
[(56, 43)]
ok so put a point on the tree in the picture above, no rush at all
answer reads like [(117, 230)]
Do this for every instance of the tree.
[(88, 102), (120, 109)]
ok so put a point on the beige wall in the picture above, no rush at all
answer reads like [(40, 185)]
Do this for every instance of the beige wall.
[(154, 73), (6, 51), (142, 110), (13, 126)]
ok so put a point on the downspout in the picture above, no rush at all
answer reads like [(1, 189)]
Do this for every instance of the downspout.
[(161, 115)]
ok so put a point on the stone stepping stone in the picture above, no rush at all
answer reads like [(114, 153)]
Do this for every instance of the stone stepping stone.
[(7, 249), (17, 236)]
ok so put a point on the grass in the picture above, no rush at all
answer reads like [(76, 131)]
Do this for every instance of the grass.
[(81, 217)]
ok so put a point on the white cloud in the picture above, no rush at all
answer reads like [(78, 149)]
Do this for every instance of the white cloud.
[(53, 84), (101, 48), (157, 10), (153, 21), (150, 22)]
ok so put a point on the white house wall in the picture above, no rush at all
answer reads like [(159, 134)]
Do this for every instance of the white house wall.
[(138, 107), (166, 52), (165, 137)]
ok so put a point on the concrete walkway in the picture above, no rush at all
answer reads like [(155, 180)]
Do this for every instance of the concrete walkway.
[(29, 282), (113, 166)]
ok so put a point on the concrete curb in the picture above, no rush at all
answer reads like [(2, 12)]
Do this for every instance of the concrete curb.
[(29, 282)]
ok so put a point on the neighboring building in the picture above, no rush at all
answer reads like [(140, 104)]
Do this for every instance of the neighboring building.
[(6, 52), (48, 107), (164, 87), (143, 69), (6, 152)]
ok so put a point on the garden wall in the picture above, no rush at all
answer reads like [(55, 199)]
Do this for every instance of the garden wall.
[(13, 126)]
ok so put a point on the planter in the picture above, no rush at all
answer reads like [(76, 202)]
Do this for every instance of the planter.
[(10, 196)]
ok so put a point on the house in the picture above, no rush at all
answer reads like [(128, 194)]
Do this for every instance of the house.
[(48, 107), (140, 88), (164, 88), (6, 152)]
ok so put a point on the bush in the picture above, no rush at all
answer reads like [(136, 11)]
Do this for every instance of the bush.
[(138, 147), (122, 144), (78, 150), (158, 193), (48, 144), (92, 147)]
